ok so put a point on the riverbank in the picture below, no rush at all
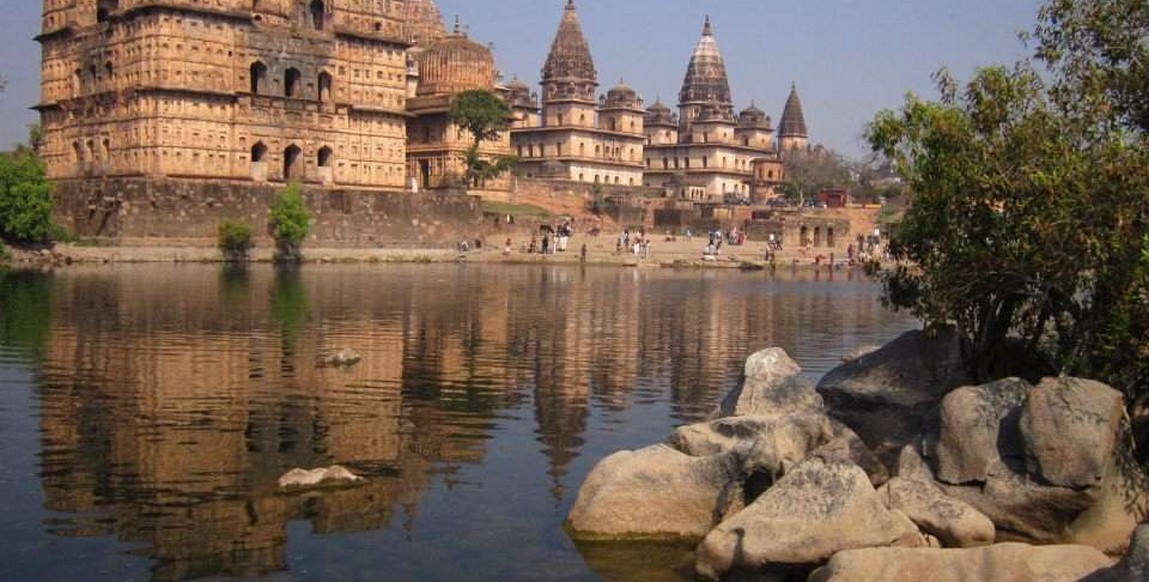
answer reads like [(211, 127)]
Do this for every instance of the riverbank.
[(678, 252)]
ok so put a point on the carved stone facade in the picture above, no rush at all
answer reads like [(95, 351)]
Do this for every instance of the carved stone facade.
[(577, 137), (239, 90), (436, 150), (706, 154)]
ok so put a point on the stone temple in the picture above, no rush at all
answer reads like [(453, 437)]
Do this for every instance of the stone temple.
[(155, 112)]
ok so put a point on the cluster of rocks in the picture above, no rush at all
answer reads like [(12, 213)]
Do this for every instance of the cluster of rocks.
[(894, 467)]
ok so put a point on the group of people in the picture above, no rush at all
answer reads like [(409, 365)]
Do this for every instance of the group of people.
[(552, 240), (638, 245)]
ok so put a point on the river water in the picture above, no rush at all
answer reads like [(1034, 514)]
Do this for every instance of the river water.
[(146, 412)]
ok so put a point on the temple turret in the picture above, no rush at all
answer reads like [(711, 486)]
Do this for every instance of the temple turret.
[(792, 128), (706, 86), (569, 73)]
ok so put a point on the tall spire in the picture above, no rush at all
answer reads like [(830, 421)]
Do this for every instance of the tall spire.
[(793, 123), (706, 84), (569, 63), (422, 22)]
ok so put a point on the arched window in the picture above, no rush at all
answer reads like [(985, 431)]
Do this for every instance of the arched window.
[(258, 153), (324, 87), (291, 83), (292, 162), (104, 8), (79, 150), (109, 69), (325, 155), (258, 77), (318, 14)]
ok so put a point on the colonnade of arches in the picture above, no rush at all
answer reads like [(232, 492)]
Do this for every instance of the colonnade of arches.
[(293, 159)]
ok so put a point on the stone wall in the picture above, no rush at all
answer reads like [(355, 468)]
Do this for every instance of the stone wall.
[(139, 208)]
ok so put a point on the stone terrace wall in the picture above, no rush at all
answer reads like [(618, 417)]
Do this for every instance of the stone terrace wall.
[(174, 209)]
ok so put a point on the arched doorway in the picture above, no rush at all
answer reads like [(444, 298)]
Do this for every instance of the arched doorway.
[(258, 167), (324, 87), (318, 14), (291, 83), (292, 163), (258, 77)]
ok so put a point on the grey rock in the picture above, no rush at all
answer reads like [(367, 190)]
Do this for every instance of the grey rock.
[(815, 511), (1019, 562), (1070, 430), (954, 523), (771, 385), (884, 396), (655, 492), (979, 426)]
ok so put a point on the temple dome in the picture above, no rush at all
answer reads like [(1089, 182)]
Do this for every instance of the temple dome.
[(455, 64), (659, 114), (622, 95), (753, 117)]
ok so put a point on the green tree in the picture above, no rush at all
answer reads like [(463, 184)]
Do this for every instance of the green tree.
[(484, 116), (1030, 211), (25, 198), (235, 240), (290, 224), (808, 173)]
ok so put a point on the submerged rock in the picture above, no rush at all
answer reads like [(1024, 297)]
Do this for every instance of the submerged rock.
[(1019, 562), (345, 357), (302, 479)]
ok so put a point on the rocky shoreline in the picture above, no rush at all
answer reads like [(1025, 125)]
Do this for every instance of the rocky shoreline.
[(895, 466)]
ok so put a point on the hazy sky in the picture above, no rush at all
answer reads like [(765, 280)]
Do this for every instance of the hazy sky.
[(849, 58)]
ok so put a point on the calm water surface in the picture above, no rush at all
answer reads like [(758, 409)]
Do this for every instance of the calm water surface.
[(146, 412)]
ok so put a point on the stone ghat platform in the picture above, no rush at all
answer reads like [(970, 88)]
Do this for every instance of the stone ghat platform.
[(682, 252)]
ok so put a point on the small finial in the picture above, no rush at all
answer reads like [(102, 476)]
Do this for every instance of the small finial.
[(458, 26), (570, 5), (706, 29)]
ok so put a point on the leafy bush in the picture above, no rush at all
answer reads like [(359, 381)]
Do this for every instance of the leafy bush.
[(235, 239), (25, 198), (1030, 211), (290, 223)]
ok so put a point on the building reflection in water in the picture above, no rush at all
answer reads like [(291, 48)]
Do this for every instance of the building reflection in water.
[(173, 398)]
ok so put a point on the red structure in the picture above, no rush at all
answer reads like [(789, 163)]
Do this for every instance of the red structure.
[(838, 198)]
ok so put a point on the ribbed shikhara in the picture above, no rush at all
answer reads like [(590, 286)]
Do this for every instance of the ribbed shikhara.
[(706, 81), (793, 123), (422, 22), (569, 62)]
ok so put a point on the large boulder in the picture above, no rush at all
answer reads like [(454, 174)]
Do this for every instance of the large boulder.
[(955, 523), (1070, 426), (815, 511), (1135, 564), (979, 426), (1023, 509), (884, 395), (653, 493), (845, 446), (792, 436), (1019, 562), (772, 385)]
